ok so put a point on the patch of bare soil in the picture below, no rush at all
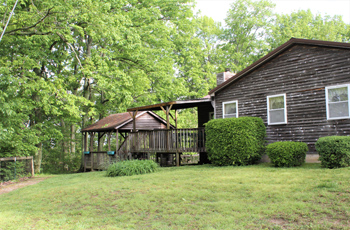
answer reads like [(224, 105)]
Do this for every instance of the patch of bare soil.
[(9, 186)]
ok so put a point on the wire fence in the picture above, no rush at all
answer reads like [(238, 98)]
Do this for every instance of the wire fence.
[(12, 168)]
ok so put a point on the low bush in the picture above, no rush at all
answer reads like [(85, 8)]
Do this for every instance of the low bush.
[(287, 153), (334, 151), (235, 141), (132, 167)]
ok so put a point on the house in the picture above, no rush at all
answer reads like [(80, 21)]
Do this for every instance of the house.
[(301, 91)]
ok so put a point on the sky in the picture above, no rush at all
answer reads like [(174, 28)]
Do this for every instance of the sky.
[(217, 8)]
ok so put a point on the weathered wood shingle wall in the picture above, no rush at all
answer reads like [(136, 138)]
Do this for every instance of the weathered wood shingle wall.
[(146, 121), (302, 73)]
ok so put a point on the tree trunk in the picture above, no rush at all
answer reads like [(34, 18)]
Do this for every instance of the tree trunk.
[(72, 137)]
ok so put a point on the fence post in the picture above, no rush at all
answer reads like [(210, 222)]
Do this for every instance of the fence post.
[(15, 170), (32, 167)]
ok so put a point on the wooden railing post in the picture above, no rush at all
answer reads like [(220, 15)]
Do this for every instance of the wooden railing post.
[(91, 150), (117, 144)]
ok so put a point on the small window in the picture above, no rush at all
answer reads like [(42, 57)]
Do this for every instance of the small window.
[(337, 99), (230, 109), (276, 109)]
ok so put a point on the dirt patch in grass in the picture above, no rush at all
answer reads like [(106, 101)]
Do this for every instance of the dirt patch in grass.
[(9, 186)]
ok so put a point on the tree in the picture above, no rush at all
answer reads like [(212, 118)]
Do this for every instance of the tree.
[(67, 61), (303, 24), (195, 50), (243, 38)]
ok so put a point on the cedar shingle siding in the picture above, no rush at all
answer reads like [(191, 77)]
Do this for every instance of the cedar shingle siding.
[(302, 73)]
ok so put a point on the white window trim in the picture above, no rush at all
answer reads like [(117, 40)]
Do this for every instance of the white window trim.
[(285, 109), (327, 105), (229, 102)]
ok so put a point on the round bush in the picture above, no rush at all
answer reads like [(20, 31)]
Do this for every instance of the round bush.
[(132, 167), (235, 141), (334, 151), (287, 154)]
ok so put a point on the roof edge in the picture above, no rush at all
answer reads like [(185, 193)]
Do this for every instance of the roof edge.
[(291, 42)]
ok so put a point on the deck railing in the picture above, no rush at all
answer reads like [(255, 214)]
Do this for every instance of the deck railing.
[(173, 140), (145, 141)]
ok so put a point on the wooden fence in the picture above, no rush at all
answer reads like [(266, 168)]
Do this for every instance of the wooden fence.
[(15, 159)]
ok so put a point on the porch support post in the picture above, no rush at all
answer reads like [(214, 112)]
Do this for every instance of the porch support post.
[(116, 143), (99, 144), (92, 149), (177, 159), (84, 150), (175, 118), (109, 141)]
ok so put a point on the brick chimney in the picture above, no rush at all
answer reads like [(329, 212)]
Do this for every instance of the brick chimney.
[(224, 76)]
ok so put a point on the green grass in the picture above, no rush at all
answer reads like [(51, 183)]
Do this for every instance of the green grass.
[(189, 197)]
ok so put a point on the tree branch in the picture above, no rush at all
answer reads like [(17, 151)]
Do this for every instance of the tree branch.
[(32, 26)]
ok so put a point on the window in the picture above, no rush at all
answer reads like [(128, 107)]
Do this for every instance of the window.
[(276, 109), (230, 109), (337, 102)]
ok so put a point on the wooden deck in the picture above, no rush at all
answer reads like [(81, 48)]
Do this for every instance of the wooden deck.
[(159, 142)]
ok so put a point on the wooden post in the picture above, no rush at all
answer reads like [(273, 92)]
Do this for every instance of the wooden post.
[(91, 150), (109, 141), (134, 121), (32, 167), (84, 150), (177, 159), (116, 143), (175, 118)]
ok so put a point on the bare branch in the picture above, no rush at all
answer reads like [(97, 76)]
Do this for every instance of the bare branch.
[(72, 48)]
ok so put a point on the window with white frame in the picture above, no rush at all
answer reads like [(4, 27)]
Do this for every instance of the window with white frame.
[(277, 109), (230, 109), (337, 101)]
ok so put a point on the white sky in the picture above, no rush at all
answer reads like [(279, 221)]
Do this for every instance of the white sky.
[(217, 8)]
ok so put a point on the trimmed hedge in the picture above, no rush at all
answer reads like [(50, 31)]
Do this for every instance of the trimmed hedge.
[(131, 167), (235, 141), (287, 153), (334, 151)]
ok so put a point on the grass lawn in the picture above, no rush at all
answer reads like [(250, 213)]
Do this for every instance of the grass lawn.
[(188, 197)]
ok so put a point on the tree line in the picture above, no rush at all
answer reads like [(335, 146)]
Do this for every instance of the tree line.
[(66, 64)]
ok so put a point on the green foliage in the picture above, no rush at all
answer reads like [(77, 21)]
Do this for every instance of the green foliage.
[(287, 153), (303, 24), (131, 167), (334, 151), (235, 141), (10, 170), (243, 38)]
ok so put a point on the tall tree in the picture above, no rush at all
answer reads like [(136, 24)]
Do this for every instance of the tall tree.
[(243, 38), (303, 24), (84, 59), (195, 50)]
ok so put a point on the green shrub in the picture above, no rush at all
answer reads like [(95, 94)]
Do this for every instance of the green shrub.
[(334, 151), (235, 141), (132, 167), (287, 153)]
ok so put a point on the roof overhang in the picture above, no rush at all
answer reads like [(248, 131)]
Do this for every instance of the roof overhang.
[(174, 105), (292, 42)]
